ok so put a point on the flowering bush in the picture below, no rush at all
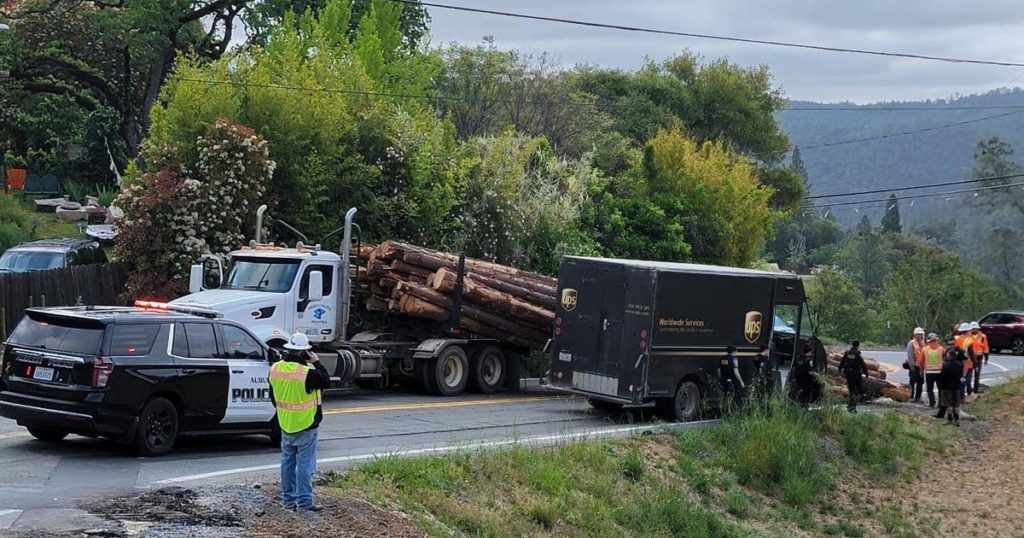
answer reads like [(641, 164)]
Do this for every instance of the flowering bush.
[(190, 208)]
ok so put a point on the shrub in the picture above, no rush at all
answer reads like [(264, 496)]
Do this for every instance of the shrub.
[(175, 215)]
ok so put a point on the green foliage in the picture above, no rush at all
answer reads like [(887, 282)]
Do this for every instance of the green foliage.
[(263, 18), (15, 221), (842, 312), (171, 218), (891, 220), (74, 190), (723, 208), (788, 188), (392, 158)]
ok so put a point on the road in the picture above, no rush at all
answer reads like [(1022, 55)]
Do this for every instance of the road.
[(999, 368), (40, 483)]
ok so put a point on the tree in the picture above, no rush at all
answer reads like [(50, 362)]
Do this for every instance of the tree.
[(392, 158), (842, 312), (993, 159), (864, 259), (266, 15), (796, 164), (891, 219)]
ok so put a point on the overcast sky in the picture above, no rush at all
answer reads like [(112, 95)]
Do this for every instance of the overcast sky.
[(986, 29)]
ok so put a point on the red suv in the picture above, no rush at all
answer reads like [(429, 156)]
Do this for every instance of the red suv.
[(1005, 330)]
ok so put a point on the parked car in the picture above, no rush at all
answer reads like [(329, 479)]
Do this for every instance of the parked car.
[(141, 376), (1005, 330), (51, 254)]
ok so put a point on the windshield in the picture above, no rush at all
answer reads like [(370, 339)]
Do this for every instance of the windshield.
[(261, 274), (785, 321), (18, 261)]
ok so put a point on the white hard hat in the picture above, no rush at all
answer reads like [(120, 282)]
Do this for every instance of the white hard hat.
[(964, 327), (919, 330), (974, 325), (298, 342)]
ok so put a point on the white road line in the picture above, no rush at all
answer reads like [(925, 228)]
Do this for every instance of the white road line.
[(540, 439), (997, 365), (8, 517)]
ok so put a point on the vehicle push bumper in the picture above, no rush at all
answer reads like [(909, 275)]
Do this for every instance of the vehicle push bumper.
[(73, 417)]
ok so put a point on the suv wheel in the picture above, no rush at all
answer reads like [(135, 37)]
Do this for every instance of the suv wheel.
[(50, 435), (158, 428), (1018, 345)]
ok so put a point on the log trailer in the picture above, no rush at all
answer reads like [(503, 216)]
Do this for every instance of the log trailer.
[(276, 291)]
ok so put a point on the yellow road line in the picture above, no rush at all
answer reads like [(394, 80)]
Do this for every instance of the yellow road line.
[(13, 435), (433, 405)]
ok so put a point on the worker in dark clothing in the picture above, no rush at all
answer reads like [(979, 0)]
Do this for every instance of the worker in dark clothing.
[(802, 386), (853, 367), (952, 376), (764, 372), (729, 378)]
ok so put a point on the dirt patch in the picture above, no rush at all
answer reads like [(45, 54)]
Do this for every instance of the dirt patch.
[(173, 505), (341, 516), (972, 485)]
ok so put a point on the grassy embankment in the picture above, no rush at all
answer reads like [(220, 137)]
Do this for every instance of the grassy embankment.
[(773, 470)]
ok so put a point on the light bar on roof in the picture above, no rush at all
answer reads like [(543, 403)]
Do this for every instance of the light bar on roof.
[(184, 309)]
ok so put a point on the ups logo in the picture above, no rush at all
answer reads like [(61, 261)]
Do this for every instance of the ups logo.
[(752, 326), (569, 297)]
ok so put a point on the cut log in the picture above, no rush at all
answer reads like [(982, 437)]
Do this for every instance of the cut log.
[(376, 304), (444, 281)]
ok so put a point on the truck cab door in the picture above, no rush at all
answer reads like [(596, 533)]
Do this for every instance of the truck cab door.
[(248, 397), (316, 318)]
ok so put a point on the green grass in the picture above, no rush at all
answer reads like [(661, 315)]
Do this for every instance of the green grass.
[(693, 482)]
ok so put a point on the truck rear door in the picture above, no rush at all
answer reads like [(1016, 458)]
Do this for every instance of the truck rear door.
[(588, 333)]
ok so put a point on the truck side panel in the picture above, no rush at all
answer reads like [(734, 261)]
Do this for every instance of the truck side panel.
[(698, 316)]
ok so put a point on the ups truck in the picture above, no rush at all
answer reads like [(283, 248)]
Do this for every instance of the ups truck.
[(642, 333)]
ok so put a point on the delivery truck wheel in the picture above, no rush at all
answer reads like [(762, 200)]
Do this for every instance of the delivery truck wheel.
[(487, 370), (685, 406), (451, 371)]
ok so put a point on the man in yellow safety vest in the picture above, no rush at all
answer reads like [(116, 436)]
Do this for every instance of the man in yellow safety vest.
[(295, 385), (932, 355)]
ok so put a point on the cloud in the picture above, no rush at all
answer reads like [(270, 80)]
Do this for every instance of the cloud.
[(982, 30)]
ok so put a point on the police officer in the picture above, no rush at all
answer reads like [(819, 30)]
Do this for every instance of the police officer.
[(853, 367), (803, 382), (729, 378), (764, 372), (295, 385)]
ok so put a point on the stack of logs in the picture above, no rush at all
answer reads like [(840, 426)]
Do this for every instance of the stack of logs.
[(498, 301), (875, 386)]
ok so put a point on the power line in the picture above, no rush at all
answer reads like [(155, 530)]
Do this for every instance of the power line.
[(913, 132), (914, 196), (926, 186), (592, 24), (898, 108)]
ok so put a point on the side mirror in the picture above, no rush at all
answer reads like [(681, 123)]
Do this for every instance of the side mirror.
[(315, 292), (195, 278)]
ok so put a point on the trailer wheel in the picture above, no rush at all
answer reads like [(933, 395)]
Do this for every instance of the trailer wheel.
[(425, 375), (487, 370), (685, 406), (451, 371)]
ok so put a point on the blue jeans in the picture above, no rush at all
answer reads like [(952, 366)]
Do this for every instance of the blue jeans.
[(298, 463)]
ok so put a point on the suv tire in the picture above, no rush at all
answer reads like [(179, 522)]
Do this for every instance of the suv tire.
[(50, 435), (1017, 345), (158, 428)]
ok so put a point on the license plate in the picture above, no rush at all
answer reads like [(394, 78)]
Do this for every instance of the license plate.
[(43, 374)]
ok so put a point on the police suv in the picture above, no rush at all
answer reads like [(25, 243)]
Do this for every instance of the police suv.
[(141, 375)]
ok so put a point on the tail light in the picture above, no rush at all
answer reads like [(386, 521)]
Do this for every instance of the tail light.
[(101, 370)]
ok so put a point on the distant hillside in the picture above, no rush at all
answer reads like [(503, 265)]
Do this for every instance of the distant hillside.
[(929, 157)]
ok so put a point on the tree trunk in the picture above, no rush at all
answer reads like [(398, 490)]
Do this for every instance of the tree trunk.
[(444, 281)]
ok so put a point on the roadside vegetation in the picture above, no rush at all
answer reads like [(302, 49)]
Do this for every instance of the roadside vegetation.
[(773, 470)]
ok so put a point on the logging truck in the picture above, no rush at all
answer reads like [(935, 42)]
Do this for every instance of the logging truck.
[(276, 291)]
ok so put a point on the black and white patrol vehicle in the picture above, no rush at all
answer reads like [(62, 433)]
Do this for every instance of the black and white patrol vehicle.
[(141, 375)]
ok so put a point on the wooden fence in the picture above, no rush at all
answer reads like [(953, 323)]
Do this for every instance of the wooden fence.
[(99, 284)]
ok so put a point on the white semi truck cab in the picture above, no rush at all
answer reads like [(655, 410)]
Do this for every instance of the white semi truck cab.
[(277, 291)]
